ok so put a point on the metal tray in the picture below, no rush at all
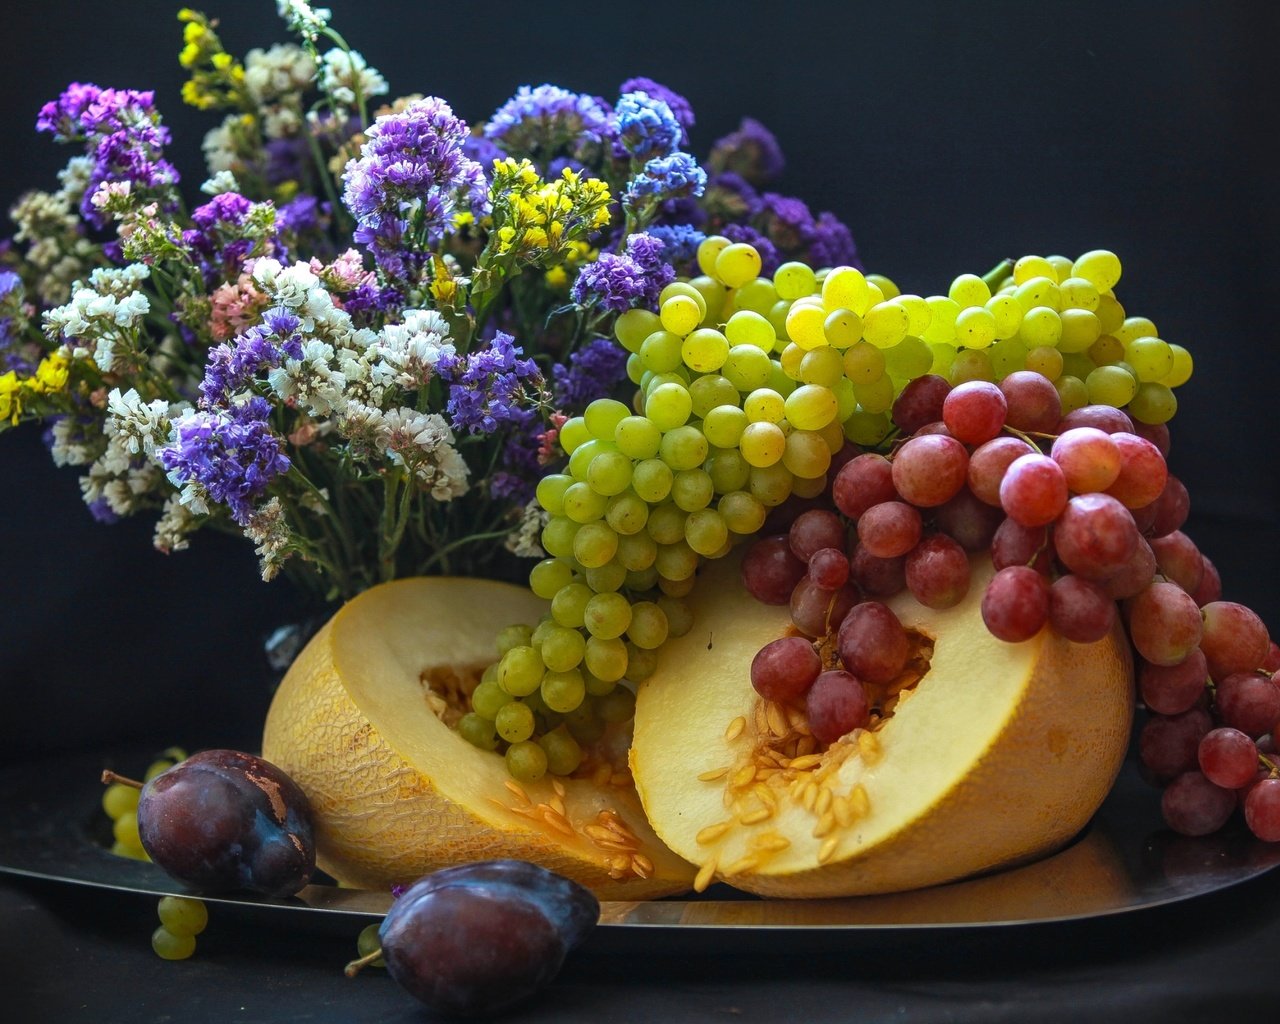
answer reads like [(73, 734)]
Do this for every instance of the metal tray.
[(1123, 862)]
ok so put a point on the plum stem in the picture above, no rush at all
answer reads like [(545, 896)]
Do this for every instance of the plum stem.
[(354, 968), (109, 777)]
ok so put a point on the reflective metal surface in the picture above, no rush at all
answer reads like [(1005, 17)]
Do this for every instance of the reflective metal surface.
[(53, 829)]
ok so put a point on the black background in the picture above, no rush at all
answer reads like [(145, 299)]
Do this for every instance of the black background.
[(947, 135)]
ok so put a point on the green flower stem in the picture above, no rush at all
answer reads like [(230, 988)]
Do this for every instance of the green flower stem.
[(326, 181), (395, 518), (441, 557), (334, 526)]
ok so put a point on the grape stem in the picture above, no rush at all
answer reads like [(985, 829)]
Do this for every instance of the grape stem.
[(1269, 766), (998, 274), (109, 777), (1030, 436), (354, 968)]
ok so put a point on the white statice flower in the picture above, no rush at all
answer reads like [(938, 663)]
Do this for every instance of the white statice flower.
[(120, 480), (119, 281), (412, 349), (67, 444), (289, 286), (422, 442), (268, 530), (311, 382), (525, 540), (367, 377), (347, 73), (219, 146), (304, 19), (281, 122), (40, 215), (220, 183), (281, 73), (75, 178), (176, 522), (140, 426)]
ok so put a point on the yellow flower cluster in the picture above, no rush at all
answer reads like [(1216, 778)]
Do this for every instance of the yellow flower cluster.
[(217, 79), (50, 377), (542, 221)]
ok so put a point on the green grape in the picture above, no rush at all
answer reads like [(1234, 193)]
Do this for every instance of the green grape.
[(1105, 351), (1027, 267), (723, 426), (660, 352), (673, 588), (563, 648), (637, 437), (919, 315), (633, 326), (1046, 361), (806, 487), (822, 366), (681, 314), (789, 360), (608, 615), (521, 668), (1111, 385), (712, 390), (1038, 291), (369, 941), (558, 535), (602, 416), (971, 364), (169, 946), (749, 327), (969, 290), (1077, 364), (736, 264), (118, 799), (792, 280), (563, 691), (478, 730), (1098, 266), (513, 636), (833, 434), (746, 369), (545, 625), (1182, 367), (756, 296), (651, 479), (644, 579), (626, 513), (705, 531), (550, 491), (1078, 293), (595, 544), (805, 325), (157, 768), (685, 288), (763, 443), (875, 396), (705, 350), (583, 725), (1151, 358), (887, 288), (573, 433), (865, 428), (487, 698), (1110, 314), (609, 474), (606, 578), (619, 705), (975, 327), (1040, 326), (1135, 327), (679, 617), (636, 552), (1153, 403), (582, 457), (183, 915), (777, 317), (526, 761), (864, 363), (597, 687), (683, 448), (1080, 329), (568, 605), (514, 720), (676, 561), (668, 406), (648, 629), (942, 319), (780, 382), (909, 359), (606, 658), (713, 295), (727, 471), (1007, 314), (641, 664), (810, 407), (743, 513), (583, 503), (125, 829), (842, 328), (666, 523), (943, 356), (548, 576), (845, 288), (562, 750), (1007, 356), (119, 849), (692, 489), (770, 485), (635, 368), (806, 453), (708, 250)]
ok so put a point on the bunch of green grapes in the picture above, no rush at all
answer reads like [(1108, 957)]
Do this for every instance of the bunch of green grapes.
[(747, 389), (182, 918)]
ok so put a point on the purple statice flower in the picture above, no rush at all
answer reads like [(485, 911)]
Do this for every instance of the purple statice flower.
[(488, 386), (625, 280), (681, 243), (592, 372), (547, 121), (643, 126), (521, 468), (231, 367), (216, 239), (304, 217), (770, 260), (286, 159), (102, 512), (832, 244), (369, 300), (730, 198), (409, 180), (12, 356), (787, 221), (121, 133), (687, 210), (483, 151), (230, 453), (679, 106), (751, 151), (673, 176)]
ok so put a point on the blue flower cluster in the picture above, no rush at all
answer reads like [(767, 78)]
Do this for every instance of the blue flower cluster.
[(622, 281), (490, 386), (233, 366)]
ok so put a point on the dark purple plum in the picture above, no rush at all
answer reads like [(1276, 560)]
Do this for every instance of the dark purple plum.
[(224, 820), (477, 938)]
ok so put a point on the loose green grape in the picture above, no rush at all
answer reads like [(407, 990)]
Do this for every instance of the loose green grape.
[(557, 536), (563, 691), (727, 471), (1111, 385), (183, 915), (1099, 266), (875, 396), (736, 264), (157, 767), (636, 552), (1029, 267), (583, 503), (669, 406), (651, 479), (369, 941), (1038, 291), (118, 799), (487, 698), (743, 513), (606, 658), (866, 428), (619, 705), (1151, 358), (706, 532), (609, 474), (626, 513), (608, 615), (633, 326), (969, 290), (975, 326), (521, 668), (169, 946), (705, 350), (681, 314), (806, 453), (563, 648), (864, 363), (792, 280), (764, 405), (1182, 367), (762, 443), (573, 433), (910, 358), (595, 544), (748, 327), (666, 523), (771, 485), (478, 730), (550, 491), (683, 448), (1007, 314), (648, 629), (516, 635), (789, 360), (942, 323), (125, 829), (1046, 361), (602, 416), (692, 490), (845, 288), (919, 315), (641, 664), (806, 325), (676, 561), (526, 761), (514, 721)]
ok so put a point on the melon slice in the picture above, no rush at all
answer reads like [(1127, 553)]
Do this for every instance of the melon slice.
[(1000, 753), (359, 723)]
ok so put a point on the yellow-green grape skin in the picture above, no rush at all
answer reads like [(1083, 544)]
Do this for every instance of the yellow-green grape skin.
[(369, 941), (756, 296), (1028, 267), (478, 730), (919, 316), (748, 327), (845, 288), (602, 416), (692, 489), (1078, 364), (676, 561), (1151, 358), (747, 368), (573, 433), (1136, 327), (1061, 266), (567, 607), (777, 317), (842, 328), (969, 290), (867, 428), (712, 390), (1046, 361), (887, 288), (635, 369), (806, 454), (943, 356), (637, 551), (1078, 293), (736, 264), (792, 280), (648, 629), (661, 351), (651, 479), (780, 382), (833, 435), (704, 350), (770, 485), (558, 535), (885, 324), (516, 635), (617, 706), (789, 360), (684, 288), (764, 405), (584, 502), (1153, 403), (1079, 330), (157, 768), (708, 249), (521, 668), (1099, 266), (637, 437), (678, 615), (863, 363), (762, 443), (743, 513), (514, 721), (875, 396), (595, 544), (726, 469), (488, 698), (1182, 367), (683, 448), (846, 402), (607, 615), (606, 658), (806, 325), (1110, 314), (626, 513), (666, 523), (1105, 351), (681, 314), (942, 323), (633, 326), (1007, 356), (824, 366), (563, 691), (672, 588), (723, 426), (1111, 385), (1007, 314), (582, 456), (1038, 291), (550, 492), (125, 829), (971, 364), (705, 531), (118, 799), (669, 406), (526, 761), (562, 751), (907, 360), (713, 296), (606, 578), (810, 407), (562, 648), (806, 487), (975, 327), (169, 946), (1040, 326)]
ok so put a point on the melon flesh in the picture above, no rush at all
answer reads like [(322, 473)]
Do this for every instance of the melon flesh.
[(398, 793), (1001, 754)]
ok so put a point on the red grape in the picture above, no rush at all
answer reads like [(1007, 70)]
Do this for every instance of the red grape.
[(929, 470), (1080, 610), (785, 669), (877, 577), (1143, 472), (1095, 536), (1164, 623), (1178, 559), (817, 612), (1171, 508), (1034, 490), (1168, 744), (864, 481), (1156, 433), (1015, 605), (829, 568), (1235, 639), (969, 521), (1015, 544), (1210, 588), (872, 642), (974, 411), (937, 572), (836, 705), (920, 402), (1034, 403), (1105, 417), (1132, 577), (988, 463), (1172, 689), (815, 530), (890, 529), (1249, 701), (1262, 810), (1089, 459), (1194, 806), (1228, 758), (770, 571)]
